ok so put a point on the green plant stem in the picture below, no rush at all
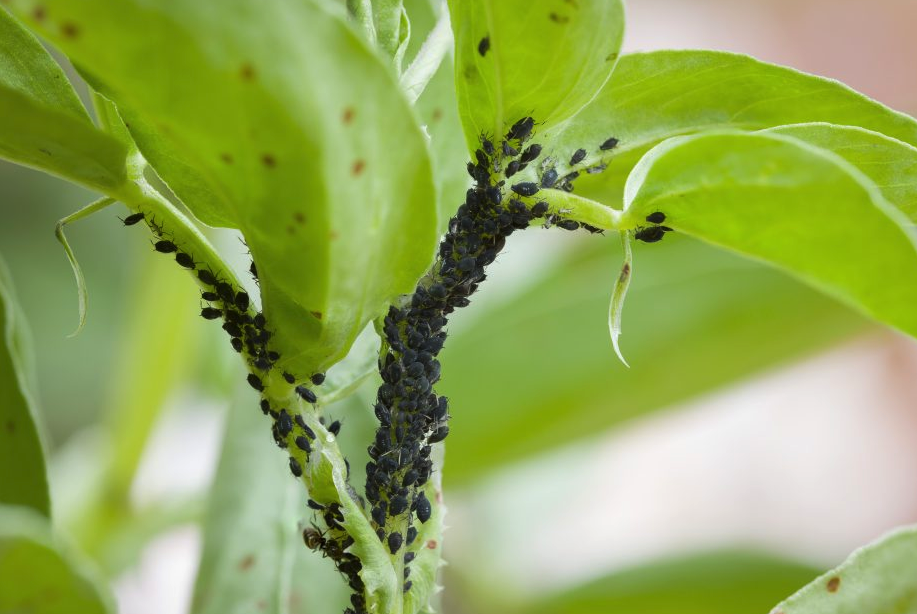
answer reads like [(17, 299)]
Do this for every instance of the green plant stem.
[(584, 210), (428, 58), (361, 11)]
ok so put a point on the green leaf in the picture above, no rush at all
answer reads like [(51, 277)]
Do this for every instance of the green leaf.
[(516, 59), (23, 478), (880, 578), (653, 96), (725, 582), (250, 526), (790, 204), (889, 163), (552, 331), (42, 122), (40, 575), (320, 164)]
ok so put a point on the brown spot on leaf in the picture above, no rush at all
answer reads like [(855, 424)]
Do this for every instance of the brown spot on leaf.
[(10, 426), (291, 230), (347, 117), (227, 158), (247, 72), (317, 314), (261, 605), (432, 544), (438, 497), (357, 167), (44, 151), (572, 3), (69, 29), (833, 584), (437, 114), (558, 18), (246, 563), (611, 57), (269, 160), (38, 13), (333, 235), (299, 217)]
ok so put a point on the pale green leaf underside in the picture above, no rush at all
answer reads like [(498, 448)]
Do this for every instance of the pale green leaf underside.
[(544, 59), (39, 575), (780, 200), (320, 164), (653, 96), (23, 479), (880, 578)]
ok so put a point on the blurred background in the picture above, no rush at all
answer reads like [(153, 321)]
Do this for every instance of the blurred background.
[(762, 433)]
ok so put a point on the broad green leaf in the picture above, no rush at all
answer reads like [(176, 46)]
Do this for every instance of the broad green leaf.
[(880, 578), (790, 204), (23, 479), (42, 122), (890, 164), (549, 375), (250, 533), (653, 96), (40, 575), (320, 163), (515, 59), (725, 582)]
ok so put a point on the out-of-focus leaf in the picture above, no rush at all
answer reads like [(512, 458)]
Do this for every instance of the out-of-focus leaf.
[(345, 377), (319, 163), (653, 96), (790, 204), (889, 163), (880, 578), (40, 575), (515, 58), (728, 582), (543, 372), (23, 479), (42, 122)]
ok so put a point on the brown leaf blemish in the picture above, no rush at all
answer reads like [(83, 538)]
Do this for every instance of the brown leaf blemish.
[(561, 19), (247, 72), (357, 167), (69, 29), (227, 158), (269, 160), (317, 314), (10, 426), (38, 13), (437, 114), (431, 545), (299, 217), (347, 117), (833, 584), (246, 563)]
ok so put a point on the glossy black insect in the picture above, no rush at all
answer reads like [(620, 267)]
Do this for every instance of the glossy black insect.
[(609, 144), (422, 507), (540, 209), (549, 178), (411, 535), (313, 538), (307, 395), (439, 434), (289, 377), (568, 224), (185, 260), (509, 151), (335, 428), (255, 382), (236, 344), (210, 296), (284, 423), (206, 277), (259, 320), (303, 444), (578, 156), (408, 585), (512, 168), (318, 378), (315, 505), (656, 217), (242, 301), (165, 247), (531, 153), (265, 406), (397, 505), (211, 313), (484, 46), (132, 219), (522, 129), (651, 234), (378, 514), (408, 557), (224, 290), (254, 271), (526, 188), (407, 572), (233, 329), (394, 542), (295, 467), (488, 146)]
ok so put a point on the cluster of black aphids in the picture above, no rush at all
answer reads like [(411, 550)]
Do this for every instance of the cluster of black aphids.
[(655, 232), (333, 543)]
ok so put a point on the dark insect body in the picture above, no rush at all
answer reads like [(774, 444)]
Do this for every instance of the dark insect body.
[(657, 217), (165, 247), (578, 156), (133, 219), (609, 144), (484, 46)]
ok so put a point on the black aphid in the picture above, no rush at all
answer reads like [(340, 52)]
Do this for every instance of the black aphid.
[(408, 585), (549, 178), (568, 224), (512, 168), (335, 428), (185, 260), (318, 379), (284, 423), (295, 467), (289, 377), (211, 313), (255, 382), (398, 505), (132, 219), (394, 542), (242, 301), (488, 146), (315, 505), (225, 291), (233, 329), (578, 156), (656, 217), (609, 144), (484, 46), (411, 535), (439, 434), (526, 188), (307, 395), (422, 507), (509, 151), (236, 344), (531, 153), (206, 277), (651, 234), (210, 296), (254, 271), (165, 247), (522, 129), (303, 444), (540, 209)]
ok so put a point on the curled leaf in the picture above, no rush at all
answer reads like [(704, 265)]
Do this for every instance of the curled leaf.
[(616, 307)]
